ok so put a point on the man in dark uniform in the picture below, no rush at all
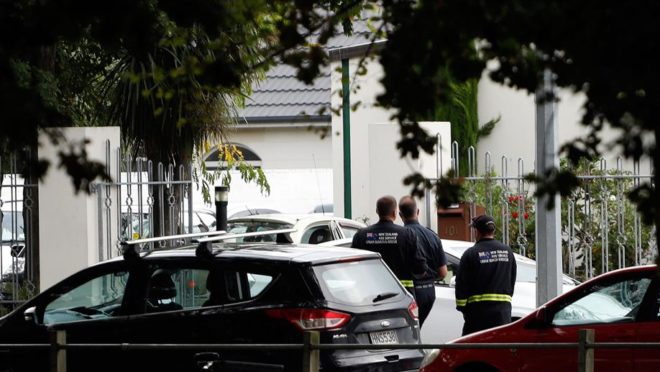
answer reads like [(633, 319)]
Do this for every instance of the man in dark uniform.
[(485, 280), (430, 246), (396, 244)]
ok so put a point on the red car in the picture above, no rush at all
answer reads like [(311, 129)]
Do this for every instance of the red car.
[(620, 306)]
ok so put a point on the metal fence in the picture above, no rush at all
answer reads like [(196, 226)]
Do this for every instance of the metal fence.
[(310, 348), (151, 200), (143, 197), (18, 204), (601, 230)]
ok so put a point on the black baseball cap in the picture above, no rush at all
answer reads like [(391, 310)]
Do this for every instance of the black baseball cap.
[(483, 223)]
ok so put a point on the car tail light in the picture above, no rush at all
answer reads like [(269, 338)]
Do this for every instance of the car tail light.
[(413, 310), (311, 319)]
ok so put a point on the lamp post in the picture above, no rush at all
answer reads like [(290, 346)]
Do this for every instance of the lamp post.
[(221, 201)]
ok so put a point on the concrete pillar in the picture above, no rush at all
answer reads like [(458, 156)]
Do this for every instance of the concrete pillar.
[(548, 221), (68, 230)]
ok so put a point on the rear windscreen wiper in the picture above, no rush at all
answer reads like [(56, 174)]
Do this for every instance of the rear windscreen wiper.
[(384, 296)]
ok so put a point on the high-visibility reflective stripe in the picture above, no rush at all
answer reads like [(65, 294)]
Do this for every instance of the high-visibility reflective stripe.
[(407, 283), (483, 297)]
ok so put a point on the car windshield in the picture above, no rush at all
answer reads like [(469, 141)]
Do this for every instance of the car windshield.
[(12, 226), (240, 227), (357, 283)]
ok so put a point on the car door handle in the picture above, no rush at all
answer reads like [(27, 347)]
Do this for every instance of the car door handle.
[(205, 361)]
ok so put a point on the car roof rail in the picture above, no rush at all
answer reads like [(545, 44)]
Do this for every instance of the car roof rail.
[(131, 248), (205, 248)]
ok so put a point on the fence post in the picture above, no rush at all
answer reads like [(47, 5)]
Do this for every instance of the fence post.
[(57, 351), (310, 352), (585, 351)]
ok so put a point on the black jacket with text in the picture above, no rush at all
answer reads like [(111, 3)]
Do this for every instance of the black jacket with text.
[(487, 274), (397, 246)]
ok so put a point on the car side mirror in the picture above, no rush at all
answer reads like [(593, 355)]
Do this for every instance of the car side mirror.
[(540, 318), (30, 315)]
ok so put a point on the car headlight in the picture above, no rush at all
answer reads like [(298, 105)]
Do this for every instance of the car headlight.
[(429, 357)]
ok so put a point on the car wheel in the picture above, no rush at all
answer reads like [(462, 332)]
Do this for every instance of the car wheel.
[(476, 367)]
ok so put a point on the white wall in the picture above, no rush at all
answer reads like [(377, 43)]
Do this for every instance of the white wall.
[(297, 163), (386, 169), (68, 237), (514, 136), (366, 114), (376, 166), (286, 147), (292, 191)]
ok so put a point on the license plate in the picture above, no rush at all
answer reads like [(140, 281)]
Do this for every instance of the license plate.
[(383, 337)]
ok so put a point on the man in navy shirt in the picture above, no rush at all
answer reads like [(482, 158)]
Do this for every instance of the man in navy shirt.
[(396, 244), (430, 246)]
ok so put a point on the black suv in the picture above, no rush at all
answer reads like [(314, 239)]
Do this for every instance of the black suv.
[(239, 294)]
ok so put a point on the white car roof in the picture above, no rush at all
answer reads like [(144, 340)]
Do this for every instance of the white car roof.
[(295, 218), (455, 248)]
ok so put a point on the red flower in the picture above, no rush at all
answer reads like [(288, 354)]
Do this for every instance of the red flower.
[(514, 214), (511, 199), (526, 215)]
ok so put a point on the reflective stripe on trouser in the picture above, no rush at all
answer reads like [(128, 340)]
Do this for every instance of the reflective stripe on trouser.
[(407, 283), (483, 297)]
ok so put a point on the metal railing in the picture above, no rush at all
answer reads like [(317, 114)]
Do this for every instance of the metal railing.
[(600, 230), (310, 348), (19, 233), (147, 199)]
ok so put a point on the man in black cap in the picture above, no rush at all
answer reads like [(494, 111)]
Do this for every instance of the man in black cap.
[(485, 280)]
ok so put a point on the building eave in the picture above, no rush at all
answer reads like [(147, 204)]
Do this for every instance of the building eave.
[(353, 51)]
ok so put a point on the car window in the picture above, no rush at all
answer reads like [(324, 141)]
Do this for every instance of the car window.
[(356, 283), (348, 230), (203, 222), (451, 272), (100, 297), (613, 302), (230, 286), (316, 235), (131, 230), (176, 289)]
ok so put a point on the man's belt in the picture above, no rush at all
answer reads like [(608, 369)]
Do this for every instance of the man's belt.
[(423, 286), (424, 283)]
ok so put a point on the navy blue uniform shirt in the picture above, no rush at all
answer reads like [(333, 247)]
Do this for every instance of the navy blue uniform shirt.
[(397, 246), (430, 245)]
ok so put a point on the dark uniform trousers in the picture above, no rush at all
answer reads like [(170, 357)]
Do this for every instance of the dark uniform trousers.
[(425, 297), (484, 315)]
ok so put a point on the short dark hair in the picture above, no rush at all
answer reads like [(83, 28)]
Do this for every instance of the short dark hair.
[(407, 207), (385, 206)]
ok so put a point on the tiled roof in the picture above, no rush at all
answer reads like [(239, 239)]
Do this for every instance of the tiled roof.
[(282, 95), (282, 98)]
